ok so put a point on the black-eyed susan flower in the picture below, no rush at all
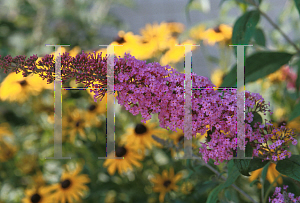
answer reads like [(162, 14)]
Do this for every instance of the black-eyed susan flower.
[(271, 175), (7, 151), (27, 163), (175, 28), (221, 33), (131, 157), (217, 77), (71, 186), (175, 53), (141, 135), (186, 187), (5, 130), (38, 179), (38, 195), (16, 88), (157, 34), (165, 183), (197, 32), (75, 124)]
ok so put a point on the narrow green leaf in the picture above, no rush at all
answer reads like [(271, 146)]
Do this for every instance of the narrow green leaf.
[(290, 167), (296, 112), (258, 65), (264, 172), (259, 37), (233, 174), (297, 3), (254, 182), (244, 28)]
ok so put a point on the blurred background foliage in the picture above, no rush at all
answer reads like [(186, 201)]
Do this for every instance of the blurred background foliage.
[(26, 107)]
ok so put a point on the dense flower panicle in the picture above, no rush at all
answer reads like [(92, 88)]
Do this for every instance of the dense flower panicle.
[(283, 197), (152, 88)]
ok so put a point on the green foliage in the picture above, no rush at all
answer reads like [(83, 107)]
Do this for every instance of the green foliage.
[(259, 37), (297, 3), (264, 172), (233, 174), (256, 163), (258, 65), (290, 167), (296, 112), (244, 28)]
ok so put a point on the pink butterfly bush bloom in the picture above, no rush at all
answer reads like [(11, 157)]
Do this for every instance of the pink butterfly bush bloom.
[(283, 197), (152, 88)]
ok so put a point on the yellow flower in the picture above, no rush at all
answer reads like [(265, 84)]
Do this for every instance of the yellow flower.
[(221, 33), (38, 195), (175, 53), (38, 179), (197, 32), (27, 163), (75, 124), (5, 131), (217, 77), (131, 157), (175, 28), (110, 197), (186, 187), (71, 187), (16, 88), (271, 175), (141, 135), (165, 183), (7, 151)]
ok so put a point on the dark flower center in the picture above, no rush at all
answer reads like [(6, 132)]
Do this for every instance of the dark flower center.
[(167, 183), (77, 124), (140, 129), (217, 29), (92, 107), (65, 184), (23, 83), (120, 40), (120, 151), (35, 198), (180, 138)]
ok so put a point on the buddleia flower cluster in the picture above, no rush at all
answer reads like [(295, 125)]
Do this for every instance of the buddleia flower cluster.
[(283, 197), (152, 88)]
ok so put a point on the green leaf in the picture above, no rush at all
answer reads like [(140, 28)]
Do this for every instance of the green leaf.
[(256, 163), (258, 65), (297, 3), (290, 167), (256, 118), (264, 172), (244, 28), (243, 166), (254, 182), (296, 112), (233, 174), (248, 150), (259, 37)]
